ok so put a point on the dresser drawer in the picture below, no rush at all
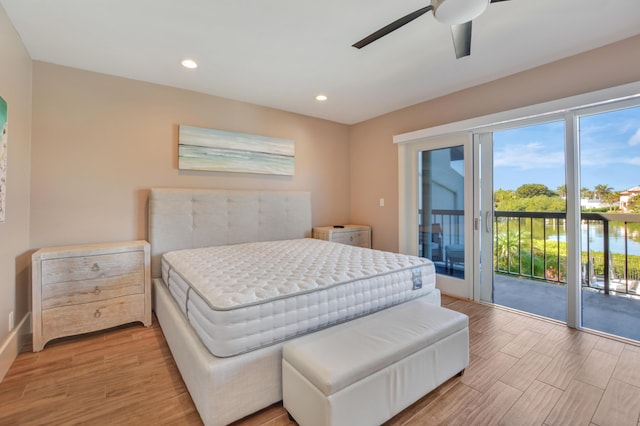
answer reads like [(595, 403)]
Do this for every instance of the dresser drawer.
[(90, 267), (77, 292), (76, 319), (355, 238)]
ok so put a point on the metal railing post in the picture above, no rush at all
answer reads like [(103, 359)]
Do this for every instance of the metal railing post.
[(606, 256), (626, 260)]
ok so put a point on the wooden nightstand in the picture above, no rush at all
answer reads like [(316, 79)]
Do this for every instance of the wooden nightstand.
[(353, 235), (84, 288)]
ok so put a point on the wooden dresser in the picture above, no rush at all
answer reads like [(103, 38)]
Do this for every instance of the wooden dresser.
[(84, 288), (353, 235)]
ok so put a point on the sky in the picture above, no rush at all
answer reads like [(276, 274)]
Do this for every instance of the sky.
[(609, 152)]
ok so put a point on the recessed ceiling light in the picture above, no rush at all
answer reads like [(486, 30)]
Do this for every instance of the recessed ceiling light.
[(189, 63), (321, 98)]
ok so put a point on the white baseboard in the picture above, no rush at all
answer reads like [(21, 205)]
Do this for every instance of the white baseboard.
[(10, 348)]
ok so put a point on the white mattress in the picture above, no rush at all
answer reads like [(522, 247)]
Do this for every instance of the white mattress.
[(243, 297)]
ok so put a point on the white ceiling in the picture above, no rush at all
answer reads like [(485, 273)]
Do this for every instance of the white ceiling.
[(281, 53)]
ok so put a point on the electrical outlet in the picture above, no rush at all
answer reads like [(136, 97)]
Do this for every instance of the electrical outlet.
[(11, 321), (381, 202)]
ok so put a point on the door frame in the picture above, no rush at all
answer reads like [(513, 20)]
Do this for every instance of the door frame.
[(483, 211), (408, 207)]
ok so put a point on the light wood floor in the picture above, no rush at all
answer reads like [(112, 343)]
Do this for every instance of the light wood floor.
[(523, 371)]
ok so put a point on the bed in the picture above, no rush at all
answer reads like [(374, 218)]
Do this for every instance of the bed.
[(194, 232)]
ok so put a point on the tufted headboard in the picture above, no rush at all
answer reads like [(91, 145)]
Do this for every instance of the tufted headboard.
[(191, 218)]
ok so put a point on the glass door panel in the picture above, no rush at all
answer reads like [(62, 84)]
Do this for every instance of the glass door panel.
[(441, 209), (529, 246), (610, 220)]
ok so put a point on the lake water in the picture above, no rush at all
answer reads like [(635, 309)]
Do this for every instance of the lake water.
[(595, 236)]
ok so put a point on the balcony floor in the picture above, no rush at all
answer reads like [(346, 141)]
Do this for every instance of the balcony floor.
[(618, 315)]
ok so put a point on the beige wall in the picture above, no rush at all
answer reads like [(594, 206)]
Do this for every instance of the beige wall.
[(374, 158), (15, 88), (99, 143)]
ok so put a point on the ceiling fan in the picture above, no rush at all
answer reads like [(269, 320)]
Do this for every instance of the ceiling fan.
[(457, 13)]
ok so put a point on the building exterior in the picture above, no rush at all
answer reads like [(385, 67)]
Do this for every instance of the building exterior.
[(626, 195)]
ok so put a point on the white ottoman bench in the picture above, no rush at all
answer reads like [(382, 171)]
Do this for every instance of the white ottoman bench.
[(365, 371)]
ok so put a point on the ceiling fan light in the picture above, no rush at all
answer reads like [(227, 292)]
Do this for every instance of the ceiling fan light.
[(458, 11)]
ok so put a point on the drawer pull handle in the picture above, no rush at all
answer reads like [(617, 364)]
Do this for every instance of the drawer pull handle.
[(351, 238), (96, 291), (97, 313), (95, 267)]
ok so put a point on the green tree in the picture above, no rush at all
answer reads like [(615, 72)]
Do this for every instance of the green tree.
[(562, 190), (529, 190), (600, 191), (586, 193), (539, 203), (500, 195), (611, 198)]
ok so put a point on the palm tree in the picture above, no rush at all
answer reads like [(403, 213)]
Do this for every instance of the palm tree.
[(506, 250), (611, 197), (562, 191), (585, 193), (601, 190)]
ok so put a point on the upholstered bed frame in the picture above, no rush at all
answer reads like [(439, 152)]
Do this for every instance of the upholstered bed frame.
[(223, 389)]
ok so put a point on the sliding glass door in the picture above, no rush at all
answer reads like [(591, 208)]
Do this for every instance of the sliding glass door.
[(529, 250), (551, 201), (440, 214), (565, 207)]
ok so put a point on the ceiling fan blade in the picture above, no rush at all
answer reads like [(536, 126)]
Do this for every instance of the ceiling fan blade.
[(461, 34), (497, 1), (392, 27)]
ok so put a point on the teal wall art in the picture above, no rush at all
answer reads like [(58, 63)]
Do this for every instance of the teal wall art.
[(3, 157)]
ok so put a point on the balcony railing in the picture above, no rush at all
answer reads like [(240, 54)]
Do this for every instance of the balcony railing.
[(532, 245), (526, 244)]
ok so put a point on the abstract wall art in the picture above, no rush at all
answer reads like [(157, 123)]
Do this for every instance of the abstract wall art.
[(3, 157), (222, 151)]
